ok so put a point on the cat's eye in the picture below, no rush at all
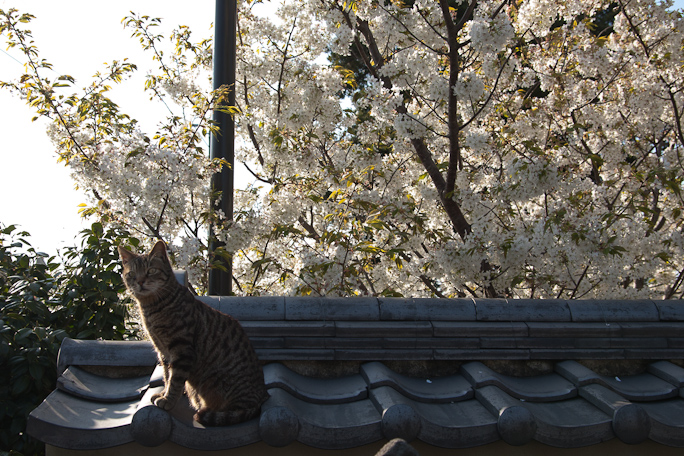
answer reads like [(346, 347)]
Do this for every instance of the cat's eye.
[(152, 271)]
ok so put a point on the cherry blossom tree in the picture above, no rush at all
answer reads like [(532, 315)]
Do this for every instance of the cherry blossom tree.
[(420, 148)]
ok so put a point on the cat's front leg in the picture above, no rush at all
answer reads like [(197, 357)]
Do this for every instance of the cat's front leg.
[(174, 382), (165, 366)]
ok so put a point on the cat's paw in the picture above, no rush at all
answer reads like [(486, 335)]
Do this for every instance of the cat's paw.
[(162, 402)]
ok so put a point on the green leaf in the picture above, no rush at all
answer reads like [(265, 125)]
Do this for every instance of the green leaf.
[(22, 334), (377, 224), (21, 385), (84, 334), (36, 371)]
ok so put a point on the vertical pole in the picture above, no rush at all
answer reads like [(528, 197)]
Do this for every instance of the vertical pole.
[(222, 145)]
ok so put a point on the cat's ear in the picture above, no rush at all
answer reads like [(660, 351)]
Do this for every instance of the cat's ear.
[(159, 249), (125, 255)]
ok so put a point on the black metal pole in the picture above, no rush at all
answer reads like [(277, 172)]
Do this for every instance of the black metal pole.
[(222, 145)]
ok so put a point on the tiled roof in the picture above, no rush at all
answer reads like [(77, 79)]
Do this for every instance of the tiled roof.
[(303, 328), (571, 407), (571, 404)]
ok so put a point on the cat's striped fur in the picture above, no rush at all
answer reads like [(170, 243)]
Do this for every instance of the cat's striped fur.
[(203, 351)]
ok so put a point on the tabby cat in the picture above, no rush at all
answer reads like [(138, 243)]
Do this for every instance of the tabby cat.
[(202, 350)]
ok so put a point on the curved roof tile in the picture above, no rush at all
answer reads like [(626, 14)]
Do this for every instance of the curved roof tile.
[(571, 407), (543, 388), (438, 390), (321, 391), (80, 383), (331, 427), (459, 424), (642, 387), (667, 421)]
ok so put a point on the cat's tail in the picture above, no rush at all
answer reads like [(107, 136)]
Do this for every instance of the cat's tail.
[(209, 417)]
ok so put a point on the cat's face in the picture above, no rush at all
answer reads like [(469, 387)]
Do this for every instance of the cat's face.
[(145, 275)]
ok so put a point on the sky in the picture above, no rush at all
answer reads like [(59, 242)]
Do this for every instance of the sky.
[(77, 37)]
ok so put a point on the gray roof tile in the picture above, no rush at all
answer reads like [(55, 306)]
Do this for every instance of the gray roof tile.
[(398, 309), (278, 425), (501, 408), (613, 310), (466, 354), (157, 377), (667, 421), (80, 383), (261, 328), (642, 387), (669, 372), (284, 354), (516, 425), (181, 277), (109, 353), (431, 342), (479, 329), (571, 329), (651, 329), (77, 424), (631, 423), (150, 426), (522, 310), (570, 424), (495, 400), (248, 308), (576, 373), (442, 389), (383, 328), (661, 353), (337, 309), (214, 438), (528, 342), (622, 342), (543, 388), (452, 425), (270, 342), (675, 342), (504, 335), (670, 310), (384, 354), (333, 342), (573, 407), (321, 391), (581, 353), (399, 421), (332, 427)]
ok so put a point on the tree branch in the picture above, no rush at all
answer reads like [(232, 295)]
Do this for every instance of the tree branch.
[(309, 228), (451, 207), (428, 283)]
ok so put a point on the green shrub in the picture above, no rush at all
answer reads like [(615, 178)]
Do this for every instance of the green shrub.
[(42, 300)]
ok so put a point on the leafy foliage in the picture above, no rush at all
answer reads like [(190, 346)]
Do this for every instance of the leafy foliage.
[(41, 303)]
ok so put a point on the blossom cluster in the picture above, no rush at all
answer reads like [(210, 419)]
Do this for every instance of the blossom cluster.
[(569, 177), (541, 158)]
